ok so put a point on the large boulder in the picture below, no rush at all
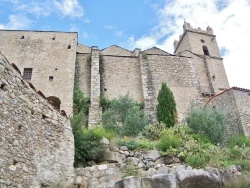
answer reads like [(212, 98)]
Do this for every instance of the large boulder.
[(129, 182), (198, 179)]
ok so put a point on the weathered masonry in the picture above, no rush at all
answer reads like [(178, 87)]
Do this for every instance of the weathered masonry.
[(50, 60), (46, 59)]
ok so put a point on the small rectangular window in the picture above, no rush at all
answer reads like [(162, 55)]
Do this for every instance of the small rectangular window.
[(51, 78), (69, 46), (27, 73)]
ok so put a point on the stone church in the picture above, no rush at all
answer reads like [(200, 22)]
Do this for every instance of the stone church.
[(54, 61)]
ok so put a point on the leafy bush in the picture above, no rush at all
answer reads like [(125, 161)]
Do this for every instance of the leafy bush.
[(168, 141), (87, 146), (239, 140), (201, 138), (208, 122), (124, 117), (154, 132), (166, 108), (81, 103), (196, 161), (101, 132)]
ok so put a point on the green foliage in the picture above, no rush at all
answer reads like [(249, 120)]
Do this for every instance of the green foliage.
[(168, 141), (101, 132), (166, 108), (87, 142), (239, 140), (87, 145), (201, 138), (208, 122), (196, 161), (81, 103), (105, 103), (124, 117), (154, 132)]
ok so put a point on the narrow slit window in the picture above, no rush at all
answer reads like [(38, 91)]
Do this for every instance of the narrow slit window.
[(69, 46), (27, 73)]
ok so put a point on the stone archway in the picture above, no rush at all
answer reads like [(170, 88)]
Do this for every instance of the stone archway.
[(55, 101)]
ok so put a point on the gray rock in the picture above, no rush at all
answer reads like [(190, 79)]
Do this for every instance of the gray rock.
[(152, 155), (124, 148), (198, 179), (78, 180), (116, 157), (164, 181), (163, 170), (129, 182), (168, 160), (133, 160), (104, 141), (151, 172)]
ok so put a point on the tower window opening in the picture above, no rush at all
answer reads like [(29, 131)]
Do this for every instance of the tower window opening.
[(205, 50), (203, 41), (69, 46), (51, 78), (22, 37), (27, 73)]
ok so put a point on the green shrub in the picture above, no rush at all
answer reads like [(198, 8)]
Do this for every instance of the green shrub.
[(201, 138), (239, 140), (168, 141), (124, 117), (87, 146), (208, 122), (196, 161), (166, 108), (101, 132), (154, 132), (81, 103)]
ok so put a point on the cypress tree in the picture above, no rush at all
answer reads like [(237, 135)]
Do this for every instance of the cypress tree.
[(166, 108)]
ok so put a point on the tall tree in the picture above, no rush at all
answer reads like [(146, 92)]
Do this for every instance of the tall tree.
[(166, 108)]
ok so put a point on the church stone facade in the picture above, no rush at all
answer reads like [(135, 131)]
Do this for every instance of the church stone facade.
[(54, 61)]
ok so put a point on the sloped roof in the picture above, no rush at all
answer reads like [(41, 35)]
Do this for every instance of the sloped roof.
[(83, 49), (116, 51), (232, 88), (156, 51)]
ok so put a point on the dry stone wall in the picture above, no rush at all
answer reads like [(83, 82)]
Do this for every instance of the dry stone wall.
[(36, 144), (242, 98), (235, 104)]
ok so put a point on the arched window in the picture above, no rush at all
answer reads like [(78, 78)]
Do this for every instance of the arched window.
[(55, 101), (205, 50)]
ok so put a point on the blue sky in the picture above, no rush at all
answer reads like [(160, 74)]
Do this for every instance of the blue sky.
[(140, 24)]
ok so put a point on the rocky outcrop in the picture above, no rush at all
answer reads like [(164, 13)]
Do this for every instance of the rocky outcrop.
[(36, 143)]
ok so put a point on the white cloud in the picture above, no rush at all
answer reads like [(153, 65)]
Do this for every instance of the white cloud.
[(69, 7), (229, 20), (16, 22), (42, 8), (119, 33), (111, 27)]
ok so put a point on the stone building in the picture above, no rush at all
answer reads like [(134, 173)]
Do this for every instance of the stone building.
[(50, 60), (235, 102)]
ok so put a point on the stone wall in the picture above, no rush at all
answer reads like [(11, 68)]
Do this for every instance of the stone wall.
[(179, 75), (36, 144), (226, 102), (242, 97), (121, 76), (51, 55)]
